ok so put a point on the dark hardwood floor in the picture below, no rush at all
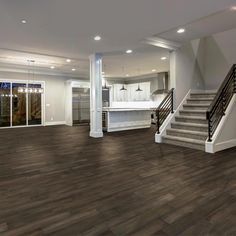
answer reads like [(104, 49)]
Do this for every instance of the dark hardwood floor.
[(58, 181)]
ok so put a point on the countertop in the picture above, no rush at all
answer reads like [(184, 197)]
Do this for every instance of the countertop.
[(113, 109)]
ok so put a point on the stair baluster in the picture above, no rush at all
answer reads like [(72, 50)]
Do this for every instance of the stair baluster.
[(164, 109), (222, 99)]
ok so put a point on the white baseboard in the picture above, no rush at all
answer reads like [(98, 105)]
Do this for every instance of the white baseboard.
[(96, 134), (225, 145), (212, 148), (55, 123), (128, 128), (158, 138)]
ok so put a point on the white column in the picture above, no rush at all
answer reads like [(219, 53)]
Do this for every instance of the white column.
[(172, 80), (96, 95), (68, 104)]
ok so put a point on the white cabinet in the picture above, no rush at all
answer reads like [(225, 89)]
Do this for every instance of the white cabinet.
[(119, 95), (131, 94), (143, 95)]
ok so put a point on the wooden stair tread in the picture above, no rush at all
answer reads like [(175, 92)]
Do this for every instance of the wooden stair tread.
[(190, 124), (200, 99), (186, 140), (192, 117), (193, 111), (188, 131), (203, 93), (196, 105)]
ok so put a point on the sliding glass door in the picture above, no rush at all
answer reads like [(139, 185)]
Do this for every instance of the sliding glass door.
[(5, 104), (34, 106), (20, 107)]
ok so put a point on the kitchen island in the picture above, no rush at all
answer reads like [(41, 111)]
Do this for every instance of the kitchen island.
[(118, 119)]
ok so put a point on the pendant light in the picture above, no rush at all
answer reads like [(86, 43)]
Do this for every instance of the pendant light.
[(123, 86), (139, 89), (34, 88), (105, 85)]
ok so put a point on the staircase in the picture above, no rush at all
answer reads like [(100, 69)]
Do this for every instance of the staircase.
[(190, 128)]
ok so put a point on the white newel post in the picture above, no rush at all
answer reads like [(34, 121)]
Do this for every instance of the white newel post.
[(96, 95)]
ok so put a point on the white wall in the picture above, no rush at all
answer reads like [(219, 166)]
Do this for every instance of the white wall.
[(220, 56), (186, 69), (202, 63), (55, 92), (54, 99)]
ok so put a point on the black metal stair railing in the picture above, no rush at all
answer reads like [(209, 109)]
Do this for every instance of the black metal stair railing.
[(221, 101), (165, 108)]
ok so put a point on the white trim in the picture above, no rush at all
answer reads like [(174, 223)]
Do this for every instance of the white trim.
[(50, 123), (96, 134)]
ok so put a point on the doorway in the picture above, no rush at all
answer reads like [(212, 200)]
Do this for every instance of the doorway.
[(81, 106)]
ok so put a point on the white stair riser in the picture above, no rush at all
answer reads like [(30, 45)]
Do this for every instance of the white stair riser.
[(184, 144)]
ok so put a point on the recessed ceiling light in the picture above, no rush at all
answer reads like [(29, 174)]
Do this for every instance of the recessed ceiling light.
[(23, 21), (52, 67), (181, 30), (163, 58), (68, 60), (73, 69), (129, 51), (154, 70), (103, 72), (233, 8), (127, 75), (97, 38)]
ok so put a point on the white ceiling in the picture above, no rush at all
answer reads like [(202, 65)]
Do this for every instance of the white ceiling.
[(141, 62), (18, 61), (206, 26), (66, 28)]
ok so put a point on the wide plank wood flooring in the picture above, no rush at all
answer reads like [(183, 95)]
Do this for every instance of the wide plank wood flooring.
[(57, 181)]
